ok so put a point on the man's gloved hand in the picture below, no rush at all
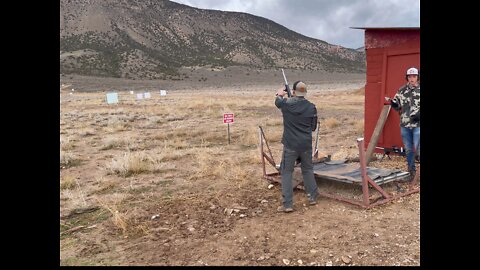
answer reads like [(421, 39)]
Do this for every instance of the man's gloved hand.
[(415, 117), (393, 103)]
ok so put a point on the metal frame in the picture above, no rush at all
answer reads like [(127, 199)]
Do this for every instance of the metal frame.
[(366, 202)]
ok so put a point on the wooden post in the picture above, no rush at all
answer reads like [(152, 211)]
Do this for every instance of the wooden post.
[(228, 130), (376, 133)]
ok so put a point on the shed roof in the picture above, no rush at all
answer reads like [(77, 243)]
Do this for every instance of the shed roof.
[(387, 28)]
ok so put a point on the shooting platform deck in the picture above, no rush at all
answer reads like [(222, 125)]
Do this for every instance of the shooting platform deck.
[(351, 173), (339, 170)]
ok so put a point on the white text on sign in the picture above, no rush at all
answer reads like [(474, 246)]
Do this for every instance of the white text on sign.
[(228, 118)]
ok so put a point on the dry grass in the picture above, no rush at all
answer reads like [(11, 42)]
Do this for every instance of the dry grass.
[(119, 219), (275, 122), (346, 153), (239, 175), (70, 189), (112, 143), (206, 164), (359, 127), (250, 136), (105, 185), (173, 154), (233, 170), (130, 163), (75, 198), (182, 141), (116, 124), (331, 123), (132, 145), (68, 159), (84, 132), (360, 91), (67, 182), (66, 143), (176, 143)]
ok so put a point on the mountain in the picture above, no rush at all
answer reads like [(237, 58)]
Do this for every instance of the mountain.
[(152, 39)]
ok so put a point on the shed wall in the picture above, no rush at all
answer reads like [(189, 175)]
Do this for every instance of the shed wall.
[(389, 53)]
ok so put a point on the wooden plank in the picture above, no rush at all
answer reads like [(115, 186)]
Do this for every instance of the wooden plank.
[(376, 132)]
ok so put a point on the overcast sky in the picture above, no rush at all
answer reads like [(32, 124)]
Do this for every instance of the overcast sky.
[(327, 20)]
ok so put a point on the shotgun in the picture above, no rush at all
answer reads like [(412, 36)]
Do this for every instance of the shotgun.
[(315, 153), (289, 93)]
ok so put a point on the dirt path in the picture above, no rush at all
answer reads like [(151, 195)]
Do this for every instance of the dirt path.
[(201, 233)]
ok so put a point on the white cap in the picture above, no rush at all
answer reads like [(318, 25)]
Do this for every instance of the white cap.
[(412, 71)]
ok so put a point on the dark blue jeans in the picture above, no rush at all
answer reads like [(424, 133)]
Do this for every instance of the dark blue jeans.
[(286, 169), (411, 141)]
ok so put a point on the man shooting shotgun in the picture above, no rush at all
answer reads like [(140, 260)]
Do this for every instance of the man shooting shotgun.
[(299, 120)]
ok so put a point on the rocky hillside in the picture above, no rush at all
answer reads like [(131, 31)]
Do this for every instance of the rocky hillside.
[(152, 39)]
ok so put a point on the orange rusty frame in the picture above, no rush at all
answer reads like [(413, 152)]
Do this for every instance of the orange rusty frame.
[(366, 180)]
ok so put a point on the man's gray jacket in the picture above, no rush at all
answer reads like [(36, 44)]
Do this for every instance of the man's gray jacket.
[(299, 120)]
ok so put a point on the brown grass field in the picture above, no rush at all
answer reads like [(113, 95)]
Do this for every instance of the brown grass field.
[(154, 182)]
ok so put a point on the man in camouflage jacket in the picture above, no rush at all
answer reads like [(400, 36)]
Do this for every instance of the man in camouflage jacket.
[(407, 103)]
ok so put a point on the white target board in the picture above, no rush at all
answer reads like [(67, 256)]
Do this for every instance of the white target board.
[(112, 98)]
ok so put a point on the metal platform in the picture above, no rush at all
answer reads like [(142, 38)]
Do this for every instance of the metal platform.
[(339, 170), (351, 173)]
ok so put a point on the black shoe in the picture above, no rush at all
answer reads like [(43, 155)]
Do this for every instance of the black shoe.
[(311, 201), (412, 175)]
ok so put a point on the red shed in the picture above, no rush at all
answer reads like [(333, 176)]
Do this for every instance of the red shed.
[(390, 51)]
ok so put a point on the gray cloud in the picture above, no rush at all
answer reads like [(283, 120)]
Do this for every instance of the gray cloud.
[(327, 20)]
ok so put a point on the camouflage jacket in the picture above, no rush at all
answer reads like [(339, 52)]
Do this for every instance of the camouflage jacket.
[(408, 97)]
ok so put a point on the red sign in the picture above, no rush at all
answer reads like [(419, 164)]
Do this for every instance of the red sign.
[(228, 118)]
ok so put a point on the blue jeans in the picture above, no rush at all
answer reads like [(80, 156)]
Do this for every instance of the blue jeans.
[(286, 169), (411, 141)]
